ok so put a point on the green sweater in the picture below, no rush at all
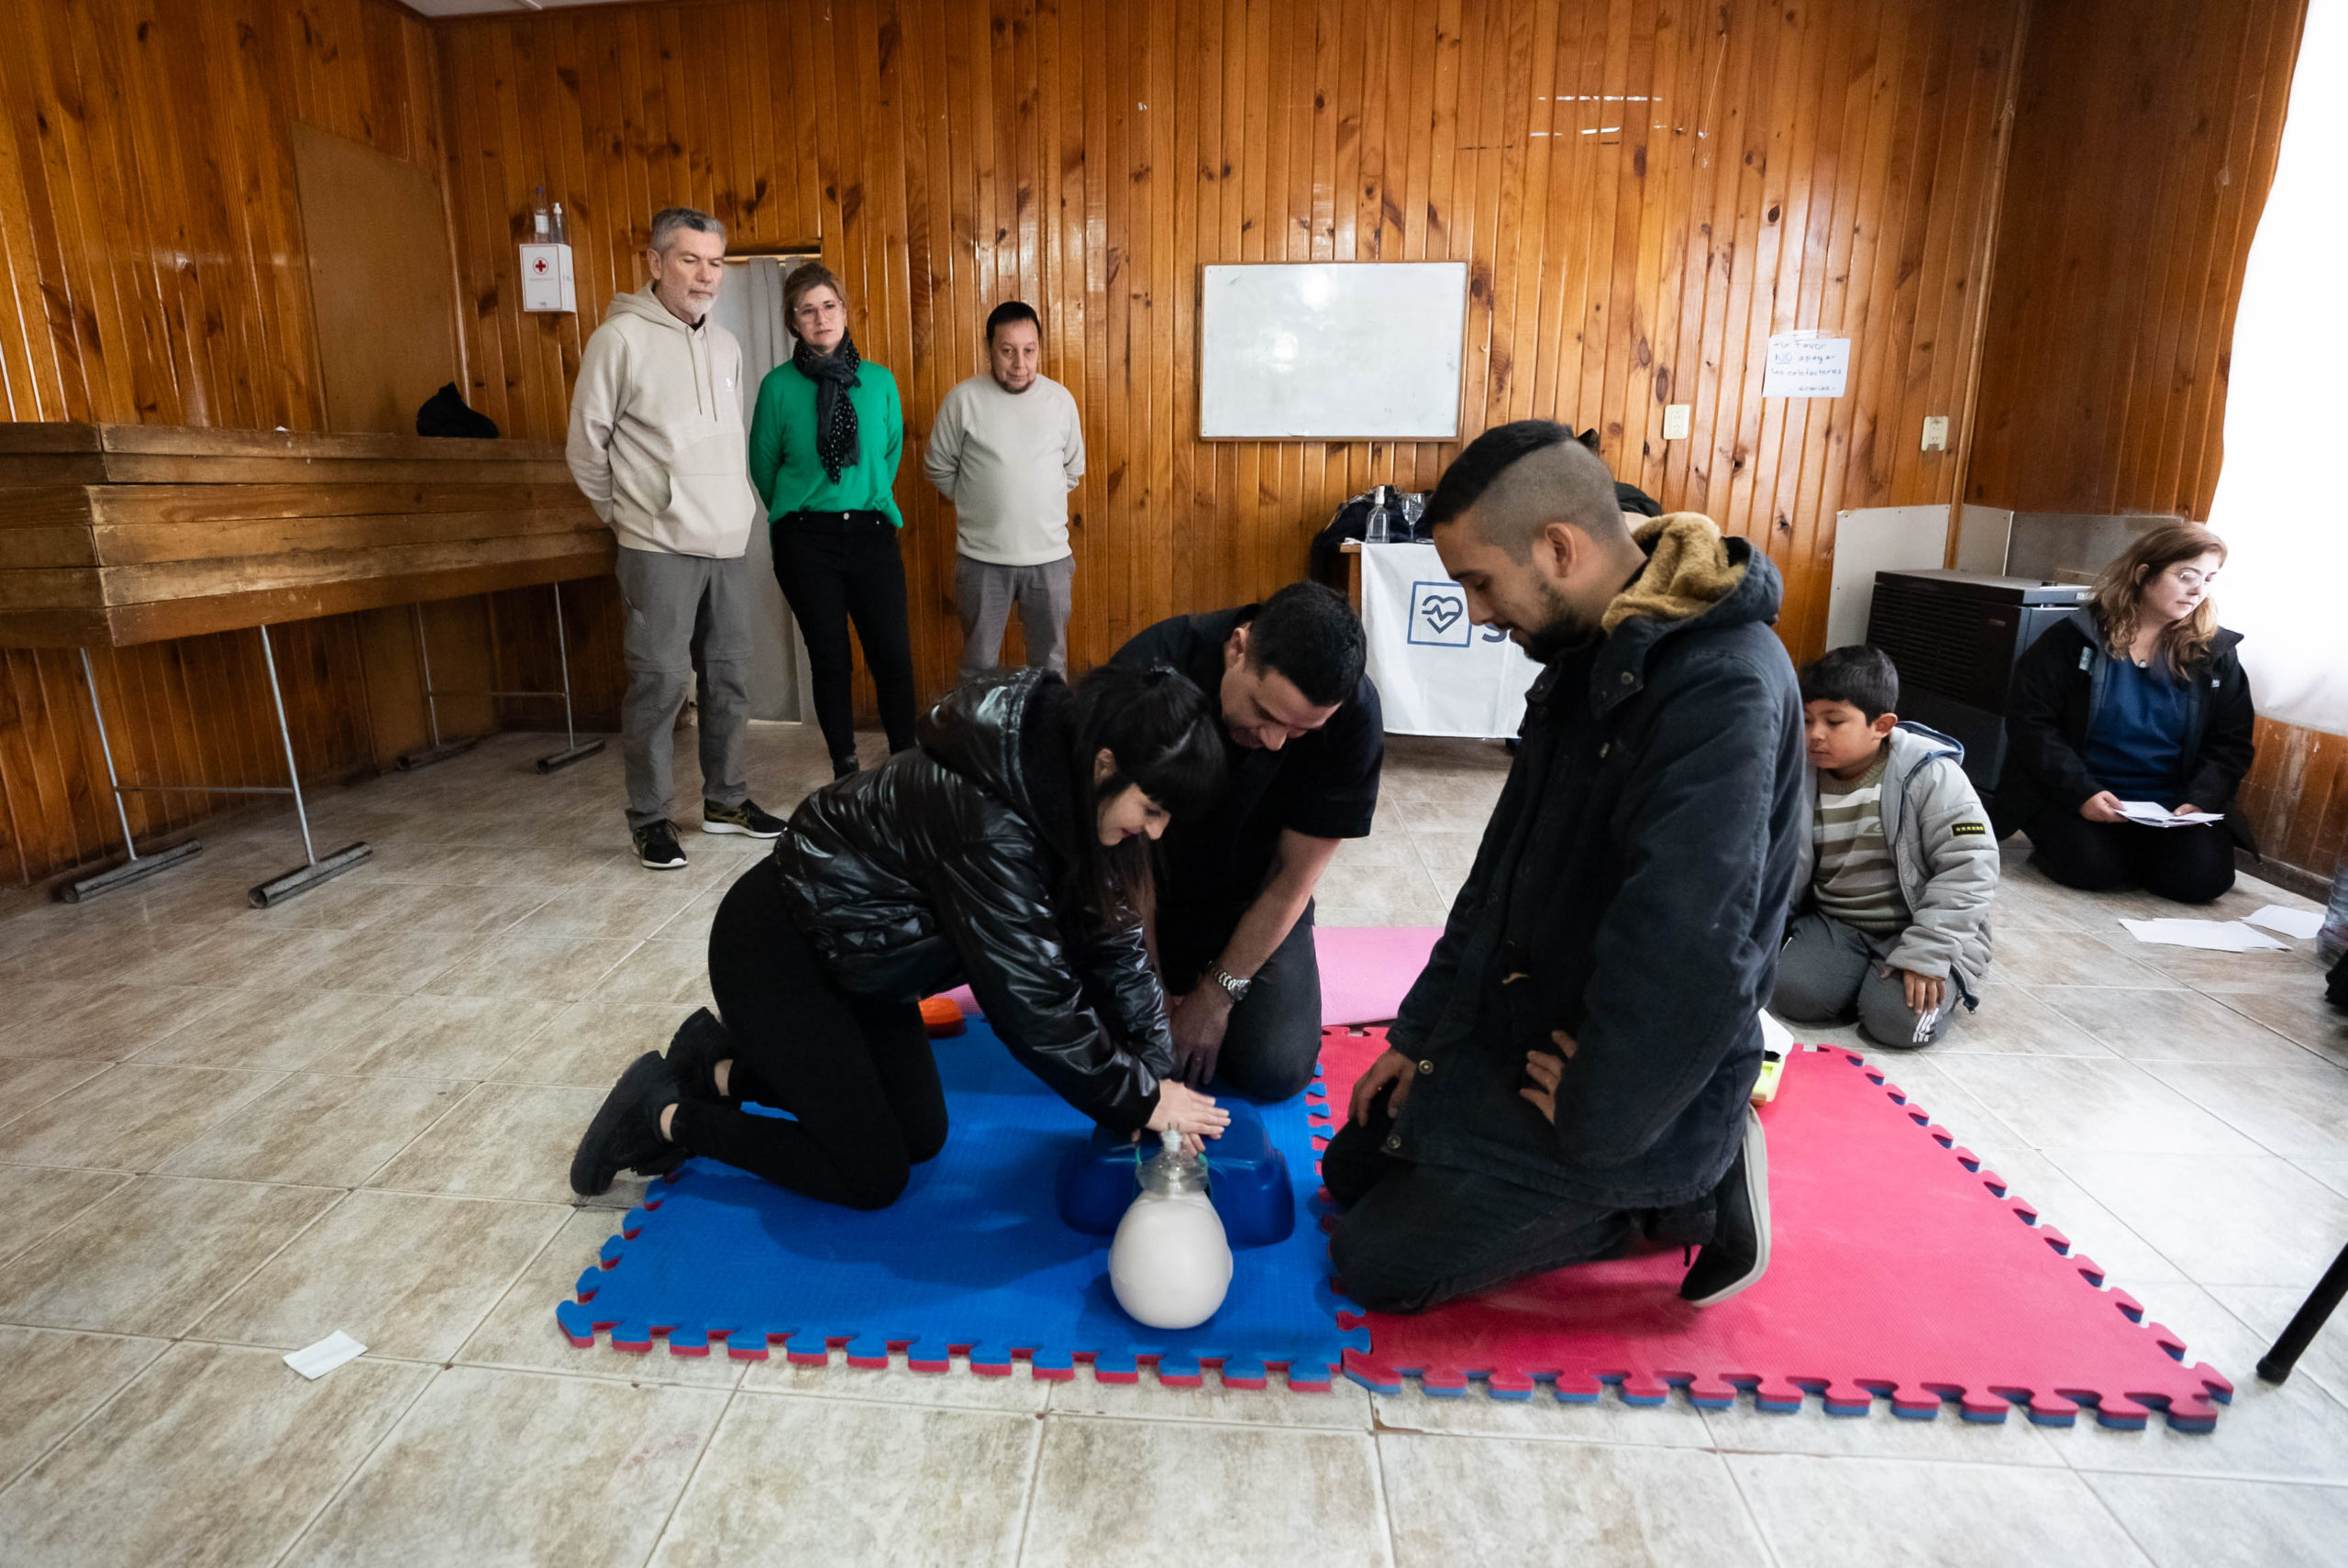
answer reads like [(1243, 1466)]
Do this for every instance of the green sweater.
[(783, 464)]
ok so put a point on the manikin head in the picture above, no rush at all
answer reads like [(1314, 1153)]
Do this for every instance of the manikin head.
[(1286, 671), (1847, 695), (814, 305), (1014, 346), (1526, 522), (688, 260)]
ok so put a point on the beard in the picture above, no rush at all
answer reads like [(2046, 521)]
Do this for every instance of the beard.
[(1562, 630)]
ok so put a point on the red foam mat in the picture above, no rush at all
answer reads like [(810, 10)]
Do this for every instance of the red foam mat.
[(1899, 1268)]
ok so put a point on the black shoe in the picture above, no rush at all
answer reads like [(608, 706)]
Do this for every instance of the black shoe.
[(744, 818), (700, 1043), (657, 846), (843, 766), (1738, 1254), (626, 1132)]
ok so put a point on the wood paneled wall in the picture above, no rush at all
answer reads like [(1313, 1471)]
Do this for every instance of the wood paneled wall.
[(1644, 190), (152, 270)]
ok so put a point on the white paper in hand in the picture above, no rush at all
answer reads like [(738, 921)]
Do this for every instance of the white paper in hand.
[(314, 1361), (2151, 813), (2301, 923)]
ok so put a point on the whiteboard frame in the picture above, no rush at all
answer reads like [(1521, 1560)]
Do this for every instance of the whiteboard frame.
[(1459, 391)]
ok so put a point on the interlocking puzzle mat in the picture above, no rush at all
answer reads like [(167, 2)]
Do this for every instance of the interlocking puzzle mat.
[(1899, 1268), (1365, 970), (973, 1259)]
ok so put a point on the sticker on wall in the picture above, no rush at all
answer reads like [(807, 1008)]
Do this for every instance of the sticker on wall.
[(1803, 364)]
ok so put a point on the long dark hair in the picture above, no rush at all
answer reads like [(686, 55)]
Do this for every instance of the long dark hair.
[(1166, 740)]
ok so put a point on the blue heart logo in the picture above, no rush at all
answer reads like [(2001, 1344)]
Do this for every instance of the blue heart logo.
[(1440, 613)]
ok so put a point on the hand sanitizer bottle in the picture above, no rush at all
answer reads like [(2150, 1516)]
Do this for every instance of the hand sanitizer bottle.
[(1170, 1262)]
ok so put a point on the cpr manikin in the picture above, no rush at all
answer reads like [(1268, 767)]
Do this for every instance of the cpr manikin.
[(1170, 1264)]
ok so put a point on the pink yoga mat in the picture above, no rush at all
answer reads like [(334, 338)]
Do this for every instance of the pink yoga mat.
[(1899, 1267)]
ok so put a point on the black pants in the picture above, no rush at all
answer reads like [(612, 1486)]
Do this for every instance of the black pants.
[(1274, 1036), (835, 566), (1414, 1236), (2191, 866), (856, 1071)]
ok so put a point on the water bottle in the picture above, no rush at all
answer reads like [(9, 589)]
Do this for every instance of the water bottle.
[(1169, 1265), (1379, 530)]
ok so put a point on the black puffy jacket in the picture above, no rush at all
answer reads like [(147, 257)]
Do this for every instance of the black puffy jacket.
[(2058, 685), (945, 864)]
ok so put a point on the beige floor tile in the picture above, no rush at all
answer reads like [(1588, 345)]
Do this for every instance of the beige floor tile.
[(128, 1118), (2014, 1020), (1878, 1434), (2169, 1026), (404, 1275), (510, 1140), (2333, 1174), (1390, 848), (958, 1388), (2265, 1309), (593, 910), (382, 959), (233, 953), (2253, 1219), (1373, 886), (2131, 1262), (2075, 958), (590, 1042), (1451, 852), (270, 1031), (75, 1019), (1175, 1491), (2218, 971), (54, 1380), (1675, 1424), (446, 1037), (2194, 1524), (318, 1130), (2080, 1103), (899, 1485), (494, 1468), (521, 1331), (661, 971), (1345, 1408), (553, 968), (2298, 1012), (30, 1081), (1879, 1512), (45, 1200), (214, 1456), (2296, 1107), (2028, 901), (477, 911), (153, 1257), (1496, 1502)]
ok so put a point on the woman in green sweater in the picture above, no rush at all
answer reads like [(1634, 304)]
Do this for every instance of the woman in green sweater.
[(823, 450)]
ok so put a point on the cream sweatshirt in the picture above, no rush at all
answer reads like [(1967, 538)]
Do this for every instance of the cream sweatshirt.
[(657, 443), (1007, 462)]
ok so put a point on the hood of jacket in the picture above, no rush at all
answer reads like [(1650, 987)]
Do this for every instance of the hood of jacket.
[(1007, 733), (1694, 576)]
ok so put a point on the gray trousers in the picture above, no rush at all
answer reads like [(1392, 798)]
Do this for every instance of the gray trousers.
[(1829, 971), (680, 606), (983, 595)]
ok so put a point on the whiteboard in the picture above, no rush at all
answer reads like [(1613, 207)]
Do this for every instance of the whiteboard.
[(1331, 350)]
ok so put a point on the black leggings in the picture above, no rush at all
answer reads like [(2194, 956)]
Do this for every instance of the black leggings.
[(856, 1071), (2190, 865), (833, 566)]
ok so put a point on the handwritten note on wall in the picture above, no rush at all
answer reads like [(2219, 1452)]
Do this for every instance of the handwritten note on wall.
[(1805, 366)]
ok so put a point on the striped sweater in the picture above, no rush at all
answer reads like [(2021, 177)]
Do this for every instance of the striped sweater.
[(1857, 881)]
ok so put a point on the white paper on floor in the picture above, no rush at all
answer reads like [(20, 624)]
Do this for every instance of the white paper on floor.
[(314, 1361), (2301, 923), (2216, 936)]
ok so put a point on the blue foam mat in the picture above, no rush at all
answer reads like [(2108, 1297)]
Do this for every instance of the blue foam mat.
[(972, 1257)]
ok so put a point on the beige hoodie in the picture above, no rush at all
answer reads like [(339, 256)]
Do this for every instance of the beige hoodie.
[(657, 442)]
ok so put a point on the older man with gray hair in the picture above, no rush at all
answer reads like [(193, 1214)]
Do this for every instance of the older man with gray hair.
[(657, 445)]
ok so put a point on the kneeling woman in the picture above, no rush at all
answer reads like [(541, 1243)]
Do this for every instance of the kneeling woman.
[(1010, 847), (2137, 696)]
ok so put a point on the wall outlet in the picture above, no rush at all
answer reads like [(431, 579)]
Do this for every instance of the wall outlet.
[(1674, 421), (1936, 433)]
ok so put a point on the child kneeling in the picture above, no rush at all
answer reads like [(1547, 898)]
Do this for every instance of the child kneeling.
[(1891, 911)]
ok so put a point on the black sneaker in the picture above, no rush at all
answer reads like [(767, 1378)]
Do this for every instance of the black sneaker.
[(626, 1131), (843, 766), (744, 818), (657, 846), (1738, 1254), (700, 1043)]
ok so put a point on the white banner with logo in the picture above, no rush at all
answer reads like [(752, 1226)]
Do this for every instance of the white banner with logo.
[(1436, 674)]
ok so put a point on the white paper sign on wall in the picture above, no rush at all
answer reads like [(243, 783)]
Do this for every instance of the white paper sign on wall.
[(1803, 364), (546, 283)]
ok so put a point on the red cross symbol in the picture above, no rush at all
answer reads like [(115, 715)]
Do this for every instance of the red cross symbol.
[(540, 264)]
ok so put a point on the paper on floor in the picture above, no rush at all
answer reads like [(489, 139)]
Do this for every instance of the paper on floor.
[(2151, 813), (2301, 923), (2216, 936), (314, 1361)]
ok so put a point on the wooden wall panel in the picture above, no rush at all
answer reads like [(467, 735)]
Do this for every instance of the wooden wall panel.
[(152, 271), (1644, 190)]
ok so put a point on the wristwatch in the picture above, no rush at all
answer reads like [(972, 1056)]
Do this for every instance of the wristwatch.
[(1235, 988)]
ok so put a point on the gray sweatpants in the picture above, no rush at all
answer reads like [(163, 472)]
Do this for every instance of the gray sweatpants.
[(984, 593), (679, 606), (1828, 970)]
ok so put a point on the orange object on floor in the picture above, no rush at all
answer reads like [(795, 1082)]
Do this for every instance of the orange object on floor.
[(941, 1016)]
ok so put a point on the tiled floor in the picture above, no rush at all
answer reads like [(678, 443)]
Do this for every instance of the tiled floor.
[(228, 1131)]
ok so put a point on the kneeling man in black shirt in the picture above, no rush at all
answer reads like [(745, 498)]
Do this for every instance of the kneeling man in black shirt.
[(1234, 908)]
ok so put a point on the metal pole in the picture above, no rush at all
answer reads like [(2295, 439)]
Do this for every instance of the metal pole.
[(107, 747), (293, 775), (562, 651), (2276, 1363), (424, 652)]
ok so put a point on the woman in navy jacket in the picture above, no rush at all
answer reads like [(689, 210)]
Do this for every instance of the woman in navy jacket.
[(2137, 696)]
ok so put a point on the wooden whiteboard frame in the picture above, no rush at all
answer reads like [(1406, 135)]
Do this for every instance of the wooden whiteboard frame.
[(1459, 370)]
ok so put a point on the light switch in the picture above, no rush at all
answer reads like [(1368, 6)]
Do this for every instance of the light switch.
[(1936, 433), (1674, 421)]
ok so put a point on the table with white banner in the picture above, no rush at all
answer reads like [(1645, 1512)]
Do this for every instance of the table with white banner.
[(1436, 674)]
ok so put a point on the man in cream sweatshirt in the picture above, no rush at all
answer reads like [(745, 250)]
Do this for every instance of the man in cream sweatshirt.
[(1006, 449), (658, 448)]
